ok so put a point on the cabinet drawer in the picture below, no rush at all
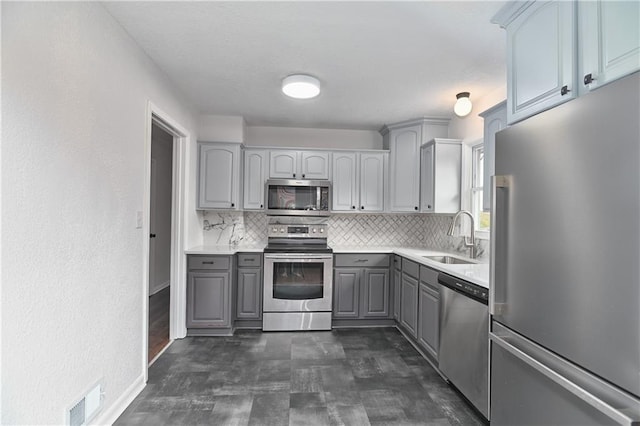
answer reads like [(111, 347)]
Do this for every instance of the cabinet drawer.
[(429, 277), (249, 259), (410, 268), (364, 260), (208, 262)]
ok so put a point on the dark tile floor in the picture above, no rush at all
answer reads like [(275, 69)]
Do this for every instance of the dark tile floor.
[(340, 377)]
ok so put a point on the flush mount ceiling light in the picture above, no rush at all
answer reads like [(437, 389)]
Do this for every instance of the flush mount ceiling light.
[(463, 105), (301, 86)]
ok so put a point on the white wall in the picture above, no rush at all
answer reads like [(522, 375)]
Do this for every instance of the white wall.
[(221, 128), (312, 138), (74, 98)]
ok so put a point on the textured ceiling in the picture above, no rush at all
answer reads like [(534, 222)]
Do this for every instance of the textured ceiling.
[(378, 62)]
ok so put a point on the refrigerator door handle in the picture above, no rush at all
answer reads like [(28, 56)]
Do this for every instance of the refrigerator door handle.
[(499, 185), (618, 415)]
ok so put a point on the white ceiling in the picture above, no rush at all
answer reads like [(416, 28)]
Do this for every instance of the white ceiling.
[(378, 62)]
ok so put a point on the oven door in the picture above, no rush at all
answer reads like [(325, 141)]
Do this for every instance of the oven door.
[(298, 282)]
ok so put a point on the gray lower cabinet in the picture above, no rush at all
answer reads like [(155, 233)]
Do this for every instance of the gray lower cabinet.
[(409, 297), (346, 293), (249, 288), (429, 311), (361, 292), (397, 285), (209, 284)]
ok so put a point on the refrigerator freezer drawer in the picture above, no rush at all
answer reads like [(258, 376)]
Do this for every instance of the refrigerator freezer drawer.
[(532, 386)]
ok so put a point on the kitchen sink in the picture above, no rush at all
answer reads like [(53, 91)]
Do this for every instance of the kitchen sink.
[(449, 260)]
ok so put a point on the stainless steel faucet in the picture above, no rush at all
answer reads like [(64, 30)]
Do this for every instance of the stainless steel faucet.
[(468, 242)]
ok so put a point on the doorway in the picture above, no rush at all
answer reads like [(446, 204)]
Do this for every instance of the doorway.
[(161, 196)]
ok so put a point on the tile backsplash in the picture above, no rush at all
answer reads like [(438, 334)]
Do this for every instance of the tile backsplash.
[(407, 230)]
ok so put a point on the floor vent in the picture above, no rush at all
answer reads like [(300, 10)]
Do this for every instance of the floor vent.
[(86, 408)]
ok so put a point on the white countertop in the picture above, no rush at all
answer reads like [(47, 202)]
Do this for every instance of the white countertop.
[(476, 273)]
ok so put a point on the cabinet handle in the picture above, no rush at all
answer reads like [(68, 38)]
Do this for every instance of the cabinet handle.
[(415, 208), (294, 175), (353, 207), (564, 90), (588, 79), (361, 207), (233, 205), (152, 235), (303, 176), (261, 206), (208, 263), (362, 260), (428, 206)]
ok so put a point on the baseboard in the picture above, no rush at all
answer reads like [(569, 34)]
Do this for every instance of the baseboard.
[(160, 287), (109, 416)]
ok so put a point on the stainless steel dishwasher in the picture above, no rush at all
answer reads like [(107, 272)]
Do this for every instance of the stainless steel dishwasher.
[(464, 339)]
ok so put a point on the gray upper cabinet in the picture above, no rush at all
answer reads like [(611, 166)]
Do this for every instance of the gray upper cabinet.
[(218, 175), (358, 181), (403, 140), (495, 119), (541, 59), (286, 164), (608, 41), (440, 179), (256, 172), (557, 50)]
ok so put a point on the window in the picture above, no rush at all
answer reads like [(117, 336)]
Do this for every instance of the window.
[(482, 218)]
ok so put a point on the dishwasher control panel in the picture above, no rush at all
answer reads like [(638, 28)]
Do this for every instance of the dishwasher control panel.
[(474, 291)]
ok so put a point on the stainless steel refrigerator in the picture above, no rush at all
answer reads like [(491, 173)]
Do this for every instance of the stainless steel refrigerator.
[(565, 264)]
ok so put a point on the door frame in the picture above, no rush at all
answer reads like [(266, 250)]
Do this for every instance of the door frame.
[(177, 292)]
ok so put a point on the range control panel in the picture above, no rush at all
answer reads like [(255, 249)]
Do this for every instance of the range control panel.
[(297, 231)]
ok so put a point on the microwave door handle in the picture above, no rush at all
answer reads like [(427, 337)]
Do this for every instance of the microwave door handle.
[(318, 191)]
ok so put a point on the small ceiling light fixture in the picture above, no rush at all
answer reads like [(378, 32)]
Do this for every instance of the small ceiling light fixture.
[(301, 86), (463, 105)]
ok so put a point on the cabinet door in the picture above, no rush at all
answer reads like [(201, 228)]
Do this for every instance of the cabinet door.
[(541, 58), (219, 175), (255, 176), (346, 291), (447, 180), (608, 41), (314, 165), (397, 300), (371, 182), (428, 319), (427, 178), (249, 300), (409, 304), (404, 179), (495, 120), (208, 300), (283, 165), (376, 293), (345, 182)]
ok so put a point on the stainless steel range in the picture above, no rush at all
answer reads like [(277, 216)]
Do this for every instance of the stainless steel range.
[(298, 275)]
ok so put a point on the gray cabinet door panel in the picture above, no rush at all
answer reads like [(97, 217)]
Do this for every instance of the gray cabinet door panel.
[(249, 300), (409, 304), (346, 291), (410, 268), (376, 293), (429, 277), (428, 319), (252, 260), (208, 262), (208, 300)]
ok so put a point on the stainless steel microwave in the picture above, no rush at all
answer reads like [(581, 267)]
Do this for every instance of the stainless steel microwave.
[(290, 197)]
